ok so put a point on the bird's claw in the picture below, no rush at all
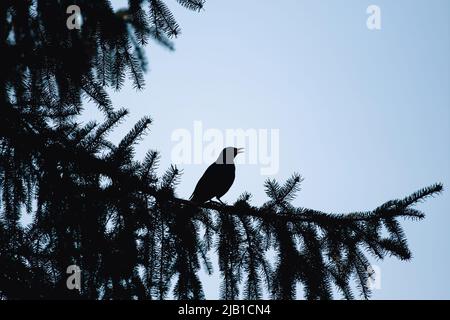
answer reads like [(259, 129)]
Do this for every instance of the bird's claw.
[(221, 202)]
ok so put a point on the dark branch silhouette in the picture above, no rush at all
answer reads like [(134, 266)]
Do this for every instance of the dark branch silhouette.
[(93, 205)]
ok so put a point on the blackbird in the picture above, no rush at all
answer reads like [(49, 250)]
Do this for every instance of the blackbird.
[(218, 178)]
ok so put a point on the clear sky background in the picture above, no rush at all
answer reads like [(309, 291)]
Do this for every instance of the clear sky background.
[(363, 115)]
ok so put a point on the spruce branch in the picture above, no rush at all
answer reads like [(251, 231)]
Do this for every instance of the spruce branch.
[(394, 209)]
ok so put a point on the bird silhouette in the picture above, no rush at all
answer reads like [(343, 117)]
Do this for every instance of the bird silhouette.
[(218, 178)]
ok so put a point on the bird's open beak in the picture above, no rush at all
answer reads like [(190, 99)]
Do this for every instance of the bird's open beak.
[(240, 150)]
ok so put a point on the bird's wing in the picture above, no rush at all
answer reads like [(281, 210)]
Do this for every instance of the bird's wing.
[(204, 190)]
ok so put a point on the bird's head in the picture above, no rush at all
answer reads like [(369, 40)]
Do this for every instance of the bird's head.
[(228, 154)]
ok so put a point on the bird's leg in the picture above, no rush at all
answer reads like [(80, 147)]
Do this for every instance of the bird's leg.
[(223, 203)]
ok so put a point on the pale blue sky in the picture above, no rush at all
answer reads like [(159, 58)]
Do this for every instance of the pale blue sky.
[(363, 115)]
